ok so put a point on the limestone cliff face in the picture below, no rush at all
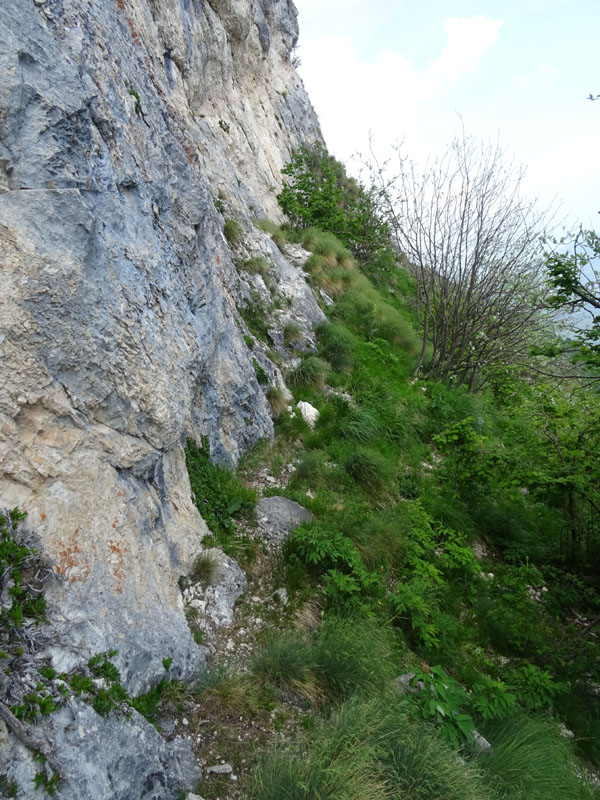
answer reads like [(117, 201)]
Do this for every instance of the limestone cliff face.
[(121, 121)]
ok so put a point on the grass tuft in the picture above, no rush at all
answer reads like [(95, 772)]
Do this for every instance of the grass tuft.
[(277, 400), (369, 468), (232, 231), (530, 760), (256, 265), (204, 569), (310, 372)]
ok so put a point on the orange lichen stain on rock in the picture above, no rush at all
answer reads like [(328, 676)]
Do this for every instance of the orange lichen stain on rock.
[(117, 561), (218, 259), (69, 564)]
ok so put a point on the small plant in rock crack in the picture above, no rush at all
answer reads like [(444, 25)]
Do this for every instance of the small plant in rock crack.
[(232, 231), (204, 569), (291, 333), (42, 781), (261, 375), (17, 563)]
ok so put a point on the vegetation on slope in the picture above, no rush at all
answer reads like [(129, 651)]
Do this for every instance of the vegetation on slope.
[(407, 479)]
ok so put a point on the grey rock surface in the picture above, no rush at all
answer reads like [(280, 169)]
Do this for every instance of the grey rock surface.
[(278, 516), (104, 757), (216, 601), (120, 122)]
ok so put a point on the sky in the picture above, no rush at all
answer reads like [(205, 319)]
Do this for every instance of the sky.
[(417, 72)]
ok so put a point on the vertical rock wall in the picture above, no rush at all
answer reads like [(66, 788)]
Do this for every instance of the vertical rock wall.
[(121, 121)]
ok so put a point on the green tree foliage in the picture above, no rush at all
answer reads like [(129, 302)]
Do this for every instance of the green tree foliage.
[(318, 193), (574, 275)]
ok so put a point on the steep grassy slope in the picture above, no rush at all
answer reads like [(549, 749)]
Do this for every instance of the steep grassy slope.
[(408, 480)]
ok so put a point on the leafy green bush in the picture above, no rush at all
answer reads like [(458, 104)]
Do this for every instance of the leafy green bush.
[(535, 687), (318, 193), (16, 559), (217, 493)]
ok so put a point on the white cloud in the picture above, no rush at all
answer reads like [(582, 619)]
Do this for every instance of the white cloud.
[(468, 41), (388, 96)]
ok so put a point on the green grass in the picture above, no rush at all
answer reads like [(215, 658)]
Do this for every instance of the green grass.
[(530, 760), (367, 749), (337, 344), (277, 400), (401, 475), (256, 265), (369, 468), (218, 494), (232, 231), (310, 372), (256, 317), (220, 689), (277, 233), (204, 569), (292, 332)]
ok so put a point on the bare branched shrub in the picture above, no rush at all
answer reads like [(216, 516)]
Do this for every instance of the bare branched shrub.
[(473, 246)]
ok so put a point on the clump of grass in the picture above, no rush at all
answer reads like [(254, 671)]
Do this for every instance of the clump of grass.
[(277, 400), (261, 375), (232, 231), (256, 265), (291, 333), (225, 690), (420, 766), (367, 749), (267, 225), (311, 468), (381, 540), (337, 762), (359, 425), (337, 345), (364, 309), (326, 244), (368, 468), (277, 234), (204, 569), (286, 661), (530, 760), (256, 318), (310, 372), (353, 655)]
